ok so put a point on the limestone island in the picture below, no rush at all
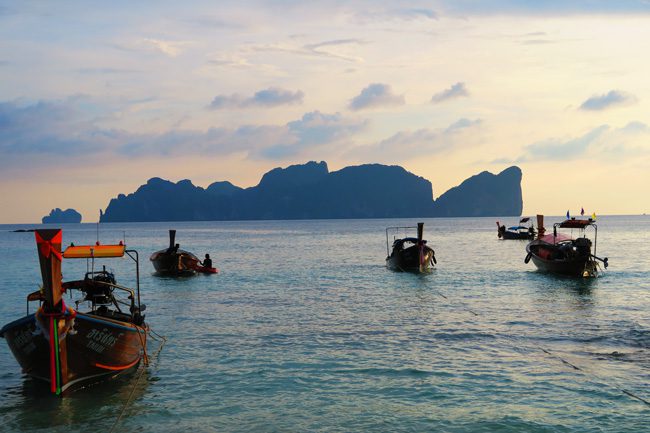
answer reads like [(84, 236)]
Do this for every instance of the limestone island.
[(58, 216)]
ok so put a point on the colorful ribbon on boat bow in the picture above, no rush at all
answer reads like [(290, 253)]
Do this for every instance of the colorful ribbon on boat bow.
[(46, 247)]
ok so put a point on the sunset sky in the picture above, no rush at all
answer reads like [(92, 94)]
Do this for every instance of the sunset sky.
[(97, 97)]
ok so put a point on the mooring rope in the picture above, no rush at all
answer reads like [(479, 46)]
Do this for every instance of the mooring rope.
[(560, 358), (127, 403)]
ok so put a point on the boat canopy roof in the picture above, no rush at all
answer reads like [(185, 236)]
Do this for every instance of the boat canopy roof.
[(576, 224), (411, 240), (518, 228), (93, 251)]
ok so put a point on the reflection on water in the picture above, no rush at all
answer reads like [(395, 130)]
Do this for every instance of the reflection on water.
[(95, 407)]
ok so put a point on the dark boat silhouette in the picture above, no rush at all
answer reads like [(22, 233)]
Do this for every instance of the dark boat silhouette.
[(516, 232), (67, 347), (173, 260), (409, 254), (562, 254)]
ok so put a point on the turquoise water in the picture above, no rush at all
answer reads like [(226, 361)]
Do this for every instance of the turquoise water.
[(305, 329)]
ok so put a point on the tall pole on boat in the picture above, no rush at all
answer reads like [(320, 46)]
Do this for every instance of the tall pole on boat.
[(421, 246), (172, 238), (52, 313), (540, 226)]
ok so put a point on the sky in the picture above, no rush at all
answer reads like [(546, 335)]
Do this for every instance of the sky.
[(98, 97)]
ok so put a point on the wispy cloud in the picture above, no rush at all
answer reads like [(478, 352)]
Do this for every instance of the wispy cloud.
[(399, 14), (327, 49), (603, 142), (425, 141), (608, 100), (376, 95), (169, 48), (457, 90), (314, 129), (46, 128), (58, 130), (332, 43), (257, 141), (547, 7), (271, 97), (554, 149)]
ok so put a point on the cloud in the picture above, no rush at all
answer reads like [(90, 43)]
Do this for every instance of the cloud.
[(547, 7), (332, 49), (376, 95), (425, 141), (258, 141), (635, 127), (457, 90), (400, 14), (314, 129), (608, 100), (463, 124), (271, 97), (48, 128), (68, 131), (602, 142), (332, 43), (169, 48), (554, 149)]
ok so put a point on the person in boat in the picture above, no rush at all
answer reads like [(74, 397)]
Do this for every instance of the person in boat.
[(207, 262)]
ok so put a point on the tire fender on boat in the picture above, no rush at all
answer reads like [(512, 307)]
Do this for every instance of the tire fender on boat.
[(527, 259)]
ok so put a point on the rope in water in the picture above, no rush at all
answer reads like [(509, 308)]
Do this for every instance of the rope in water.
[(564, 361), (127, 403)]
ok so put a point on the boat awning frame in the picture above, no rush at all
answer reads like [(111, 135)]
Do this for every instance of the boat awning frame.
[(575, 224), (93, 251)]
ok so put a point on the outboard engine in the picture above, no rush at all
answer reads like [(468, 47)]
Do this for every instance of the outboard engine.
[(99, 287), (583, 246)]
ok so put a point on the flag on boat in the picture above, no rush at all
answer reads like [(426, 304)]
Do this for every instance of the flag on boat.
[(593, 216), (582, 211), (567, 215)]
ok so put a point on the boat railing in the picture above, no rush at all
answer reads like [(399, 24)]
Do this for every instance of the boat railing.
[(579, 225), (117, 301), (395, 230)]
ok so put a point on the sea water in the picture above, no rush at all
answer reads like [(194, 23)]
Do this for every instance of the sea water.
[(304, 329)]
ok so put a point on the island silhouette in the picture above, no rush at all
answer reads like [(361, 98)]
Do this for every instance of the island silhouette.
[(311, 191)]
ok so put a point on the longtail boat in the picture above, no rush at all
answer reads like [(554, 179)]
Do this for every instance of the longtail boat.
[(560, 253), (517, 232), (409, 254), (69, 348), (174, 261)]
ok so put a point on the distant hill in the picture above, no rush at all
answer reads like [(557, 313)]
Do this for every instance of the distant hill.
[(485, 194), (310, 191), (58, 216)]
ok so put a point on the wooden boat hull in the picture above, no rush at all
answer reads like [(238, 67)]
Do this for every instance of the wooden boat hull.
[(408, 260), (546, 259), (175, 263), (517, 236), (97, 348)]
